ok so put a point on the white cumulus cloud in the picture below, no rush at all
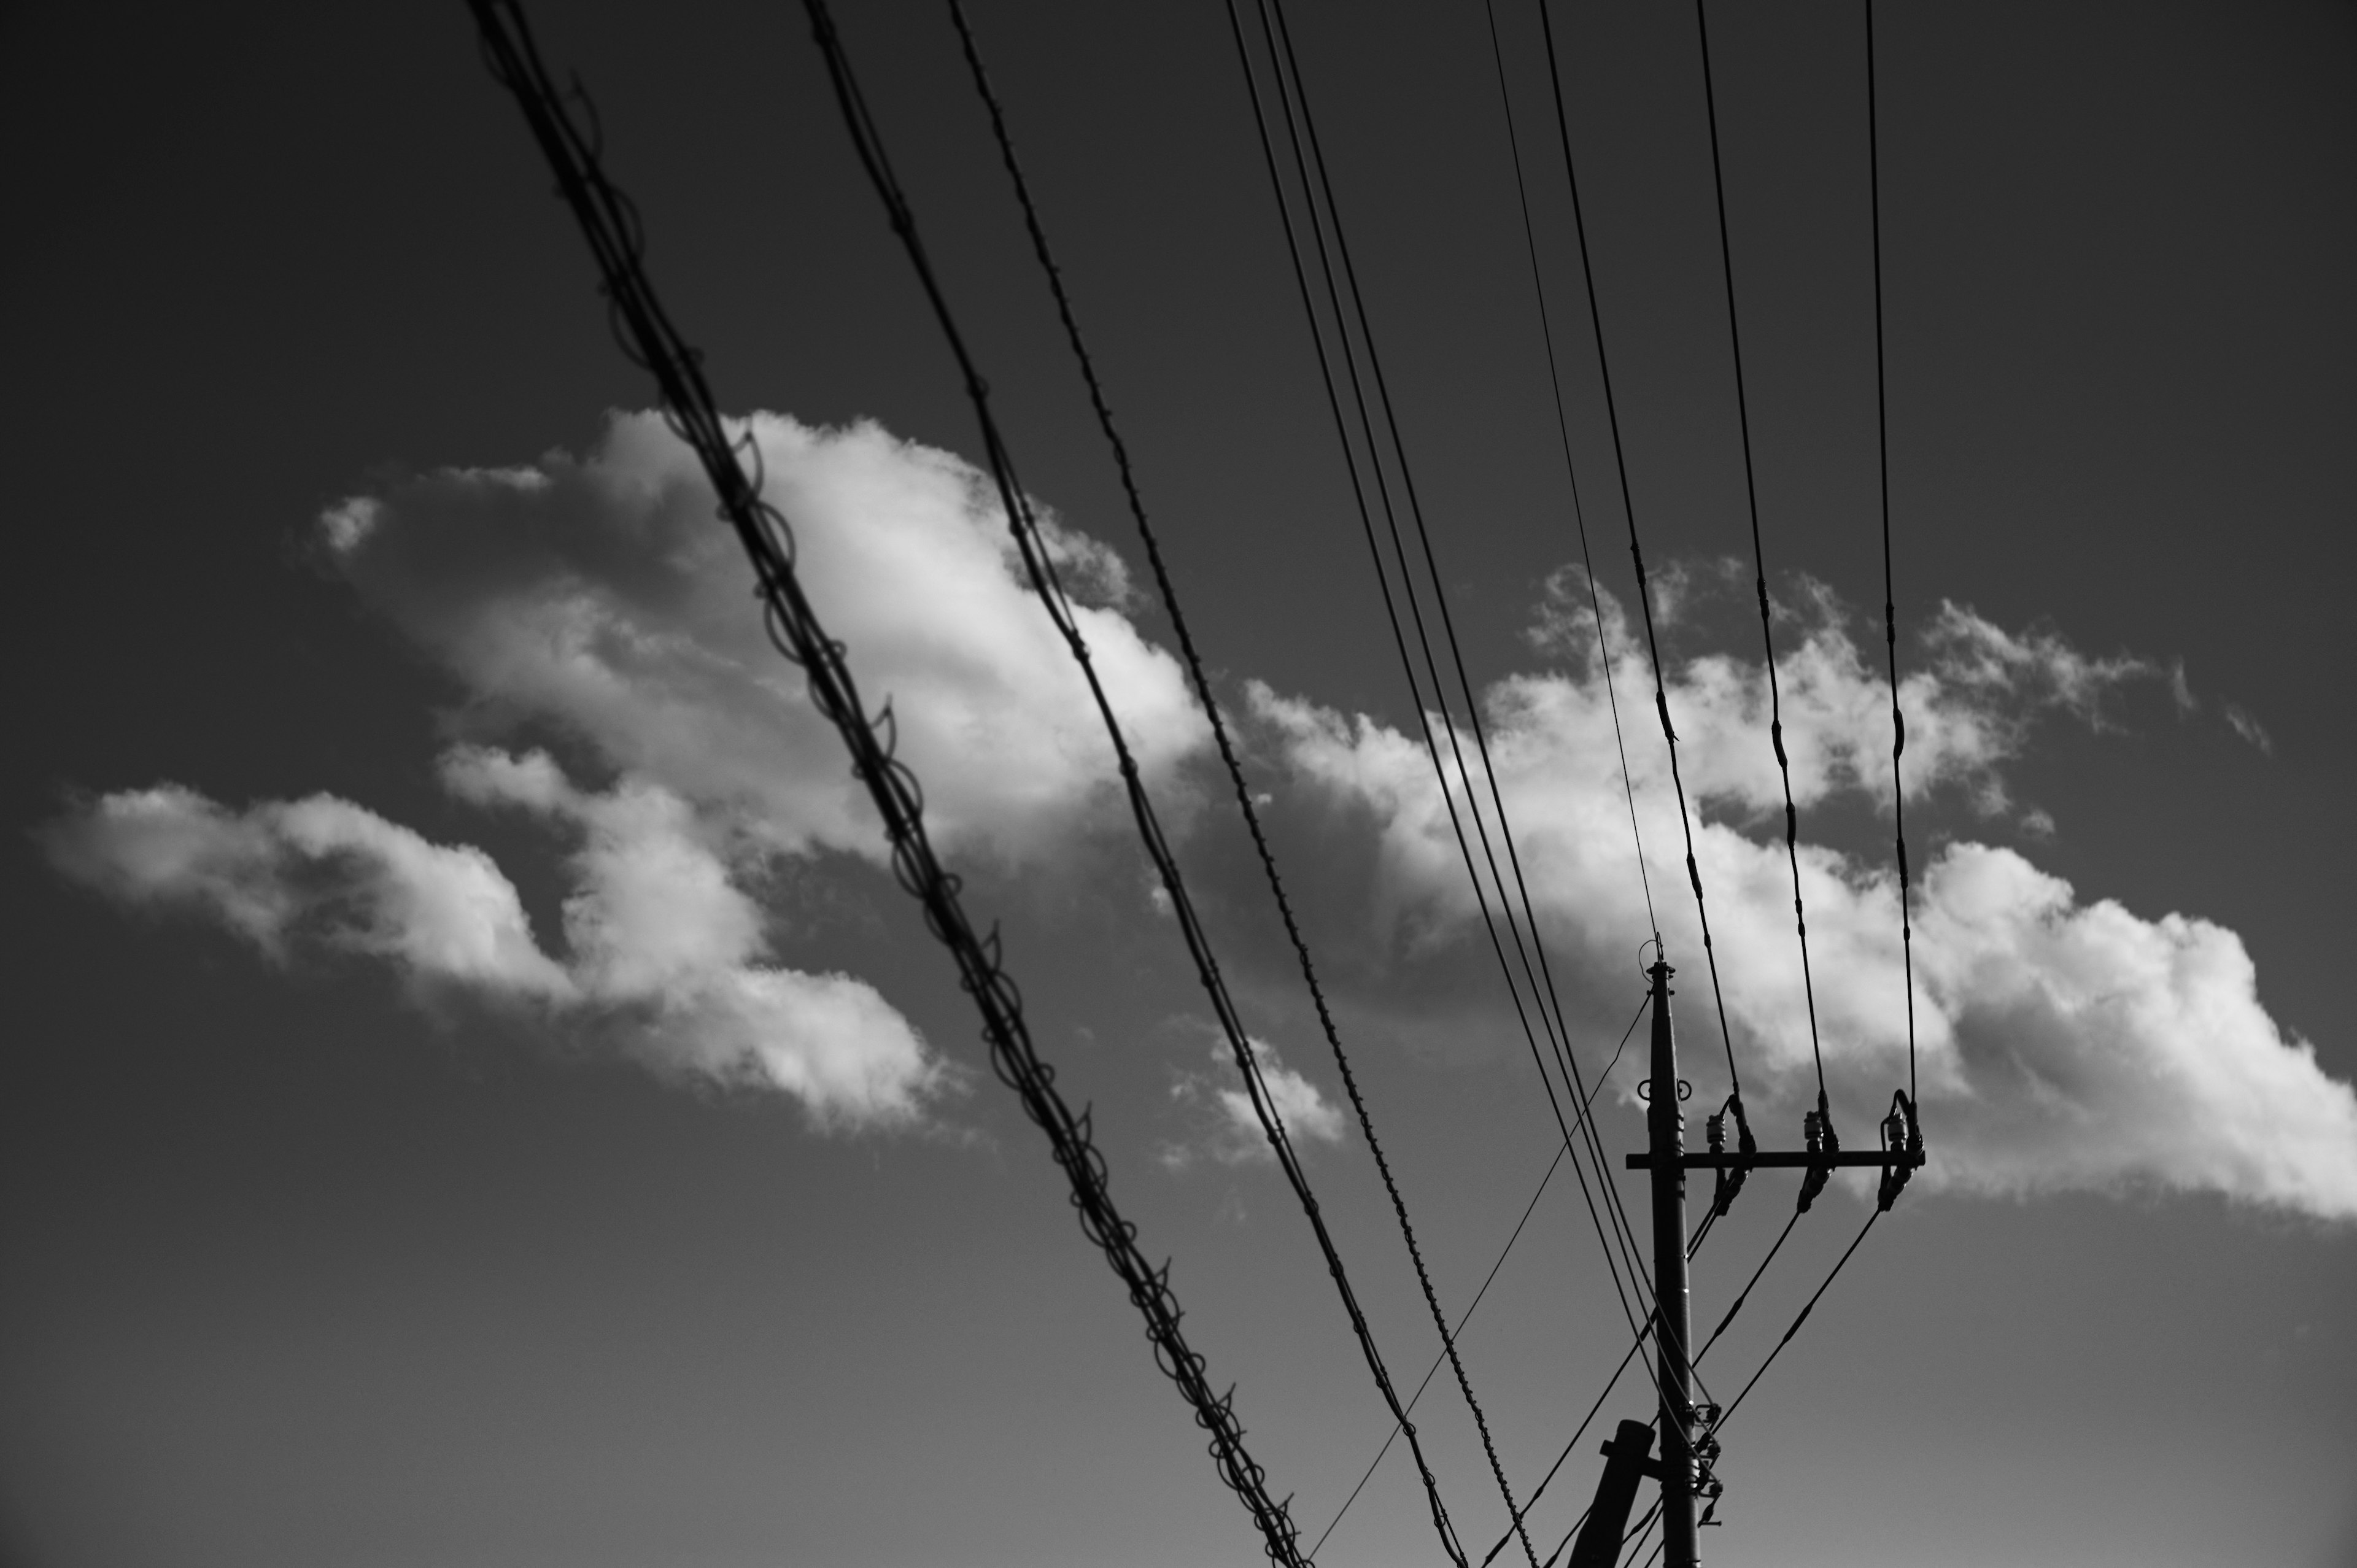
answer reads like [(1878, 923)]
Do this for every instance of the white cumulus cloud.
[(602, 595), (2063, 1041), (667, 955)]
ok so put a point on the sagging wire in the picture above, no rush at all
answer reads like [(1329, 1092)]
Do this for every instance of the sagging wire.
[(1287, 87), (610, 224), (1039, 565), (1890, 598), (1570, 470), (1560, 1150), (1636, 552), (1816, 1179), (1234, 764)]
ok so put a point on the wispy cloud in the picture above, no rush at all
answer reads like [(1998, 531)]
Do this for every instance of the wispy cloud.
[(2250, 729), (1227, 1129), (666, 952)]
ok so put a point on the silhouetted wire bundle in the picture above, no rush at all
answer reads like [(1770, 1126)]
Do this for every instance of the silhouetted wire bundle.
[(1381, 480), (611, 226), (1244, 795), (1041, 567), (1376, 462)]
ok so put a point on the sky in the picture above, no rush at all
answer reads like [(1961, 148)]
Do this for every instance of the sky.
[(479, 1097)]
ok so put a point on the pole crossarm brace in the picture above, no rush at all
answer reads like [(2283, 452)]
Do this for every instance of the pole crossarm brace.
[(1786, 1159)]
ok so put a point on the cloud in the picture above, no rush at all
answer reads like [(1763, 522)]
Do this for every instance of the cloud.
[(2250, 729), (321, 869), (2065, 1040), (2064, 1043), (601, 595), (1228, 1129), (665, 950)]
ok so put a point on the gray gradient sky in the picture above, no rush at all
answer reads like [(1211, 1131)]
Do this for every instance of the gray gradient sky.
[(304, 1264)]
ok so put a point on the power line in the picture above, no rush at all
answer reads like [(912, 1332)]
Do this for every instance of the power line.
[(1636, 554), (1560, 1150), (1571, 471), (1889, 608), (1281, 47), (1041, 567), (610, 224), (1729, 1413), (1302, 160), (1201, 679), (1759, 563)]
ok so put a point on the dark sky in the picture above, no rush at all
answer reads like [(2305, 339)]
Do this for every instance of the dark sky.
[(301, 1265)]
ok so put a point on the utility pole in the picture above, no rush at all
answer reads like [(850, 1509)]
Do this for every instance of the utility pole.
[(1674, 1327), (1901, 1152)]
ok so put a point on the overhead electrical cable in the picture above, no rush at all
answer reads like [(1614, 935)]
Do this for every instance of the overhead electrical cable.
[(1760, 560), (1039, 565), (1234, 767), (1529, 1208), (1285, 72), (1727, 1415), (1890, 607), (1558, 1034), (610, 224), (1636, 554), (1570, 469)]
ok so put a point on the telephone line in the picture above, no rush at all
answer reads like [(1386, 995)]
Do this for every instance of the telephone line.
[(1571, 471), (1041, 567), (611, 226), (1636, 554), (1310, 190), (1234, 767), (1529, 1208)]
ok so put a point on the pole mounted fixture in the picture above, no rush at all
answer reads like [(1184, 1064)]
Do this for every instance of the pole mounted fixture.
[(1684, 1463)]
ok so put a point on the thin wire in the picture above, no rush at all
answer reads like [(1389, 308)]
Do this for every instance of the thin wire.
[(611, 225), (1359, 492), (1889, 608), (1729, 1413), (1759, 556), (1645, 1528), (1560, 1150), (1555, 1031), (1628, 504), (1040, 567), (1558, 1034), (1234, 766), (1571, 471), (1745, 1293), (1609, 1385)]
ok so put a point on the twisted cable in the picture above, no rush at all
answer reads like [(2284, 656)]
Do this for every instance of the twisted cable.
[(610, 224)]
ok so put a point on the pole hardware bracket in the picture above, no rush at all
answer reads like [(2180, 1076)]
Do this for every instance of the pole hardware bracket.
[(1901, 1134)]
